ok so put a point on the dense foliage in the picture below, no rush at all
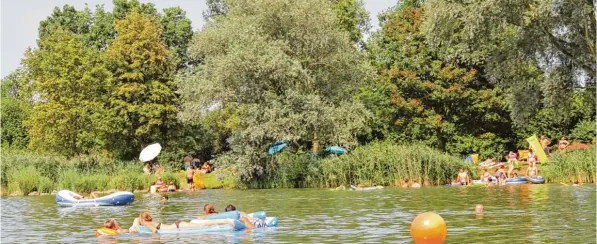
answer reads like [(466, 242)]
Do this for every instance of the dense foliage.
[(449, 77)]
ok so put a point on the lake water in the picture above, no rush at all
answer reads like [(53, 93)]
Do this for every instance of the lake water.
[(515, 214)]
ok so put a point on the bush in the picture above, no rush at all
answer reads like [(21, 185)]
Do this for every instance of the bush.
[(45, 185), (584, 132)]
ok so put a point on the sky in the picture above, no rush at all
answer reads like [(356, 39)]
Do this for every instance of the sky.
[(20, 20)]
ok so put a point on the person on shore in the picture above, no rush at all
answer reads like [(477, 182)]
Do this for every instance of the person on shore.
[(405, 184), (146, 220), (205, 169), (486, 177), (532, 171), (161, 185), (532, 157), (415, 184), (249, 221), (500, 175), (147, 169), (468, 177), (463, 178), (545, 144), (190, 175), (187, 161), (160, 170), (512, 159), (563, 144), (171, 187)]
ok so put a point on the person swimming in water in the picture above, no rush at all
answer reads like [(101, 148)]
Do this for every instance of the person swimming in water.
[(112, 224), (405, 184), (249, 221), (416, 184)]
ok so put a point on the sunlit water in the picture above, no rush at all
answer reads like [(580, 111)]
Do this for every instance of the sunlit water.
[(513, 214)]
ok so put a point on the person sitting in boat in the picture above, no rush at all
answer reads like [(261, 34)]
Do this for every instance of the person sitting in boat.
[(146, 220), (171, 186), (249, 221), (112, 224), (93, 195)]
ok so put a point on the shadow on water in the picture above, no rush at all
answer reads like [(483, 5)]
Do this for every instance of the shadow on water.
[(522, 214)]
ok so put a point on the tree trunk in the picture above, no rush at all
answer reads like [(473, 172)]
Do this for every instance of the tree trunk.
[(315, 143)]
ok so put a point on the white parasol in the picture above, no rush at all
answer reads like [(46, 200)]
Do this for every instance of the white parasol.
[(150, 152)]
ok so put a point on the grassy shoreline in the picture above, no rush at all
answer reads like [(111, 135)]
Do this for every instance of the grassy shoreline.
[(380, 163)]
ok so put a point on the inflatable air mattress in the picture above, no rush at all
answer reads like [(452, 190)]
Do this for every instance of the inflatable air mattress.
[(235, 215), (516, 181), (537, 179), (233, 225), (67, 198)]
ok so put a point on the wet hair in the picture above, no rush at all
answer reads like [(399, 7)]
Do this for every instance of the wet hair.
[(405, 180), (144, 217), (166, 197), (209, 206), (229, 208)]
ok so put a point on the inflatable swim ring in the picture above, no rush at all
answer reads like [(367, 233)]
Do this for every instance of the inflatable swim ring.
[(105, 232), (66, 198)]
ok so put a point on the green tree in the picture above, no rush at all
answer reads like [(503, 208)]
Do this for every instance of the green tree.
[(353, 17), (69, 84), (15, 110), (143, 99), (421, 97), (542, 51), (177, 33), (287, 77), (67, 18)]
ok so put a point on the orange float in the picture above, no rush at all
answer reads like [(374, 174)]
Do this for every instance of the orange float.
[(428, 228)]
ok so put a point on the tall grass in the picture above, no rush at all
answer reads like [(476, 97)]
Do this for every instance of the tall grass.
[(578, 165), (380, 163), (386, 163), (24, 173)]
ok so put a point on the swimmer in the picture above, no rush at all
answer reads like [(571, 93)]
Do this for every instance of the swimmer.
[(479, 209), (146, 220), (112, 224), (208, 209), (249, 221), (164, 199), (416, 184), (405, 184)]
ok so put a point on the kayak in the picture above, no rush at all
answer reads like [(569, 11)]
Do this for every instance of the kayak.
[(66, 198), (516, 181), (537, 180)]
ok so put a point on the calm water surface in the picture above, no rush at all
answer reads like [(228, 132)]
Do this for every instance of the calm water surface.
[(514, 214)]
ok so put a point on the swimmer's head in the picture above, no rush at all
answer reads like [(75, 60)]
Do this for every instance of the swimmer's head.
[(109, 223), (479, 209), (230, 207)]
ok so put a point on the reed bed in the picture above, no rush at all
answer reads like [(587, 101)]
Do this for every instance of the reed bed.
[(578, 165)]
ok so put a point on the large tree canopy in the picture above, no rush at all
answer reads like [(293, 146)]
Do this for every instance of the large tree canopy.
[(290, 77), (543, 51)]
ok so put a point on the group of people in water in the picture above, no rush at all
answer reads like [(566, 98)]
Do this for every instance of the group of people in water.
[(145, 219)]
